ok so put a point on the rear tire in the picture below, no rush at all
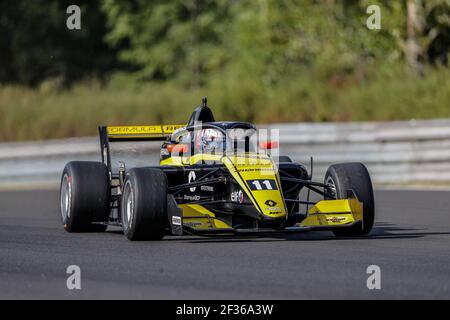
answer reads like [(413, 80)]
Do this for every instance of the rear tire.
[(353, 176), (144, 204), (85, 196), (284, 159)]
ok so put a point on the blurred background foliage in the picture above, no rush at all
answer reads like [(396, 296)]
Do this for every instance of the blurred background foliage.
[(140, 61)]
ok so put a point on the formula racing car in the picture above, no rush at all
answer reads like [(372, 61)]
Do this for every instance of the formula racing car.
[(214, 178)]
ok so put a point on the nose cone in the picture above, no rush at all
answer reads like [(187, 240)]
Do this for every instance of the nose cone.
[(258, 177)]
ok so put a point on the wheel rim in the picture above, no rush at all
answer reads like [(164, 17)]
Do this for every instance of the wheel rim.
[(66, 197), (332, 186), (128, 213)]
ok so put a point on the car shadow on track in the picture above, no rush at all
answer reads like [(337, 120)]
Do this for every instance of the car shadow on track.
[(381, 230)]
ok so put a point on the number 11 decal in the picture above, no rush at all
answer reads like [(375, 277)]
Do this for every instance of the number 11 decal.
[(262, 184)]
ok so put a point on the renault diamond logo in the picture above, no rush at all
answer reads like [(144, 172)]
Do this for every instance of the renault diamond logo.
[(191, 178), (270, 203)]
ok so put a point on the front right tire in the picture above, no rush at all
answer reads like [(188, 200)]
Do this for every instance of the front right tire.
[(144, 204)]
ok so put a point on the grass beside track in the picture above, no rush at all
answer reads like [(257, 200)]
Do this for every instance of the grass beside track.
[(50, 112)]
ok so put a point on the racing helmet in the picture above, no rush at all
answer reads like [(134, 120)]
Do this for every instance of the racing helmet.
[(210, 141)]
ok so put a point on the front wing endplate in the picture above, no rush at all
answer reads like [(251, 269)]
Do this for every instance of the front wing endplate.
[(333, 213)]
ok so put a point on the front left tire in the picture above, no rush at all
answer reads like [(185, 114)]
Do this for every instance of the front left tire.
[(353, 176)]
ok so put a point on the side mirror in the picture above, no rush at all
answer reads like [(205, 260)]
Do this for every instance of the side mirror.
[(268, 145), (178, 148)]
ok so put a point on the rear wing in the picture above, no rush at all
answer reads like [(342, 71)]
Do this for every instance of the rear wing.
[(132, 133), (136, 133)]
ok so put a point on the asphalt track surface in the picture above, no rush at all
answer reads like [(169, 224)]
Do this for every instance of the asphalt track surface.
[(410, 243)]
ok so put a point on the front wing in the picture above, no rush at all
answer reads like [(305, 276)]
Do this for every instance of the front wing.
[(324, 215)]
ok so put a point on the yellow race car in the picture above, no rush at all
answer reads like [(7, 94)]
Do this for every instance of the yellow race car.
[(214, 178)]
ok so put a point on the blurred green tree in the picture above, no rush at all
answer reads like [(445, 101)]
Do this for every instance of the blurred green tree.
[(36, 45), (195, 41), (165, 39)]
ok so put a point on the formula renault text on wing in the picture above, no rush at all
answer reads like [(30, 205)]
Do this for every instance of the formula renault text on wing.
[(214, 178)]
